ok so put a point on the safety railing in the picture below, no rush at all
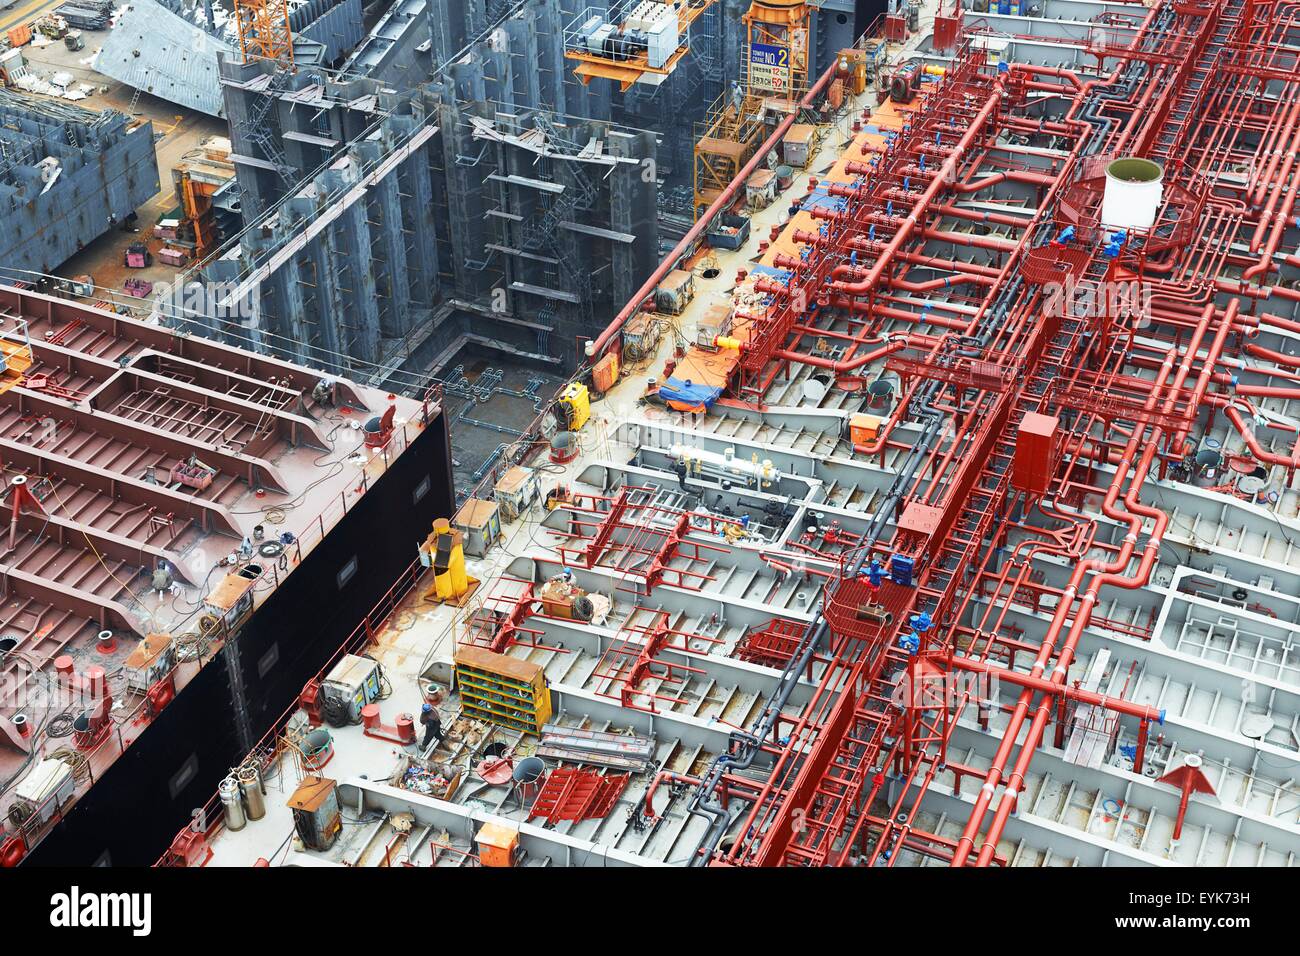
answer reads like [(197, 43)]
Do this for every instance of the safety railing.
[(208, 819), (119, 737)]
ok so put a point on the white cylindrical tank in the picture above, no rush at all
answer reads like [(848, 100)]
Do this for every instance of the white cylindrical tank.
[(1134, 190), (725, 463), (251, 782), (232, 803)]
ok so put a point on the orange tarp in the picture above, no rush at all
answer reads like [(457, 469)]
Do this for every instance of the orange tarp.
[(886, 116)]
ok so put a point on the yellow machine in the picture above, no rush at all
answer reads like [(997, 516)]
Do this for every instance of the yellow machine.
[(853, 64), (443, 550), (573, 407), (558, 497)]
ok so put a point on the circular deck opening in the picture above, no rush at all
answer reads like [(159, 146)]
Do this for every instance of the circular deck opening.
[(1208, 458), (528, 769), (1130, 169)]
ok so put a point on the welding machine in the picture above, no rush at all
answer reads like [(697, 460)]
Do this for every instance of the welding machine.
[(350, 685), (42, 793), (317, 818), (573, 407)]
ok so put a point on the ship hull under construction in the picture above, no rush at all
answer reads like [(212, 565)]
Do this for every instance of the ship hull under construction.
[(866, 538)]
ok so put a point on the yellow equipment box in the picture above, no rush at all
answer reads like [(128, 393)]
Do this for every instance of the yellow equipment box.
[(573, 407), (502, 690)]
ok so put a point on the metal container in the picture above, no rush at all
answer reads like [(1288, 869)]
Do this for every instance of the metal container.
[(317, 748), (251, 782), (1133, 193), (232, 803), (479, 523)]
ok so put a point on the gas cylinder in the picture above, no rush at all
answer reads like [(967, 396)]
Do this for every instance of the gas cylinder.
[(250, 781), (232, 803)]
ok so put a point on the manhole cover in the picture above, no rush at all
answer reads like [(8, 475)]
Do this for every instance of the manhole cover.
[(1256, 726)]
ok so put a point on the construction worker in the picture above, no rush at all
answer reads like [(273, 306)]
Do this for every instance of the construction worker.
[(432, 725)]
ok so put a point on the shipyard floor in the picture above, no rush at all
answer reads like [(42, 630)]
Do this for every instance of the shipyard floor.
[(489, 404), (689, 648)]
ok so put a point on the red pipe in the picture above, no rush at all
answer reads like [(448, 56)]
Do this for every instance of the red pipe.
[(845, 365), (937, 185), (1137, 514), (1064, 607), (1118, 704), (597, 346), (1011, 175), (1248, 435)]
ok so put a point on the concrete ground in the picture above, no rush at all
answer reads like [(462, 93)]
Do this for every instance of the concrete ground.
[(176, 132), (17, 12)]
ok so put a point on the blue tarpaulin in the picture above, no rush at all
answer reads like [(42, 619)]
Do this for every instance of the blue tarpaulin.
[(689, 393), (820, 199), (770, 272)]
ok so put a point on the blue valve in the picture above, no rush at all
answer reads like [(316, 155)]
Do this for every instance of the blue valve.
[(900, 570), (875, 573), (922, 622), (1115, 244), (1063, 237)]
